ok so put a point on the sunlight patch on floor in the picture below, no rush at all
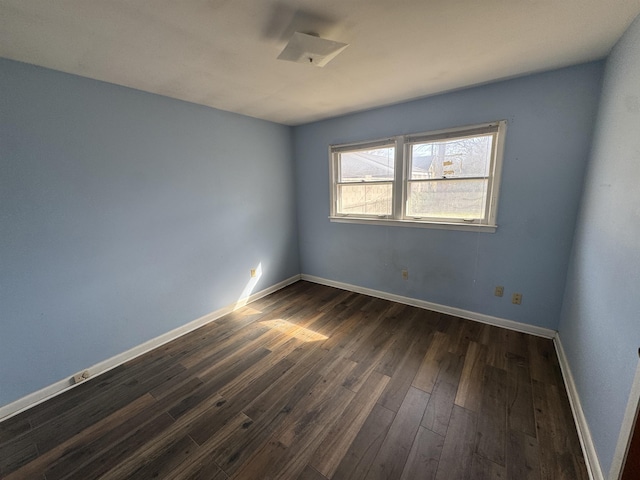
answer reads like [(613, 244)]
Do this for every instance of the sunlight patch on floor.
[(247, 311), (294, 330)]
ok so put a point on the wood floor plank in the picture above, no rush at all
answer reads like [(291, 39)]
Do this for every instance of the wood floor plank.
[(269, 410), (319, 400), (177, 429), (210, 422), (212, 334), (427, 374), (208, 357), (459, 446), (401, 339), (333, 319), (361, 372), (498, 340), (10, 451), (394, 394), (341, 297), (363, 450), (343, 334), (206, 360), (69, 423), (215, 379), (424, 456), (307, 352), (297, 291), (557, 442), (492, 418), (275, 405), (292, 445), (90, 444), (330, 452), (14, 427), (484, 469), (462, 334), (361, 335), (517, 345), (376, 344), (357, 326), (162, 464), (310, 434), (394, 451), (206, 469), (19, 458), (69, 452), (259, 462), (120, 452), (305, 383), (295, 331), (176, 383), (523, 461), (310, 473), (519, 396), (47, 411), (287, 385), (543, 361), (436, 417), (116, 383), (469, 393), (193, 465)]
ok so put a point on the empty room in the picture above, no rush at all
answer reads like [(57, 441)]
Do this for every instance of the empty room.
[(319, 240)]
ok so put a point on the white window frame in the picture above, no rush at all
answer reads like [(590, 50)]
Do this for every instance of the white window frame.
[(402, 174)]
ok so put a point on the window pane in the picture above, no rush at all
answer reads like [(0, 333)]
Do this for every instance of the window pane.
[(365, 199), (447, 199), (452, 158), (367, 165)]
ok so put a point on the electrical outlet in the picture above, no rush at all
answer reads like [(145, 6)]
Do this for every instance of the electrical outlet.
[(516, 298), (405, 274), (81, 376), (253, 273), (499, 291)]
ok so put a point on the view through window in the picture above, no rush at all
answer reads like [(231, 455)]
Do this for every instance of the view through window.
[(446, 177)]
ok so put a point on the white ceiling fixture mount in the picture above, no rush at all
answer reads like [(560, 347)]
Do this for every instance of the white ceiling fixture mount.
[(311, 49)]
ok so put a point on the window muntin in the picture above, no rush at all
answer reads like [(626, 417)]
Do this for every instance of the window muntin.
[(444, 179)]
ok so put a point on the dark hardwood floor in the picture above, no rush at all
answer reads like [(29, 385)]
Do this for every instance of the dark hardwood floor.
[(312, 383)]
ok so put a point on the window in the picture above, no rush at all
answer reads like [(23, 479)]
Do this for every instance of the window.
[(365, 180), (443, 179)]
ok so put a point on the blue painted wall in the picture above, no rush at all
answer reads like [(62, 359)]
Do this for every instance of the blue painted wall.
[(600, 326), (124, 215), (550, 121)]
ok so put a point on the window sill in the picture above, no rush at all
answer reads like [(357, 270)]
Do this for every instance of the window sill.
[(470, 227)]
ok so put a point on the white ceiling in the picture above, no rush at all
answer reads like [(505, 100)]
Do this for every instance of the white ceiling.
[(223, 53)]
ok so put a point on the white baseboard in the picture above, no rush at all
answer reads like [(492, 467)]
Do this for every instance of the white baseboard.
[(584, 434), (627, 428), (61, 386), (457, 312)]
